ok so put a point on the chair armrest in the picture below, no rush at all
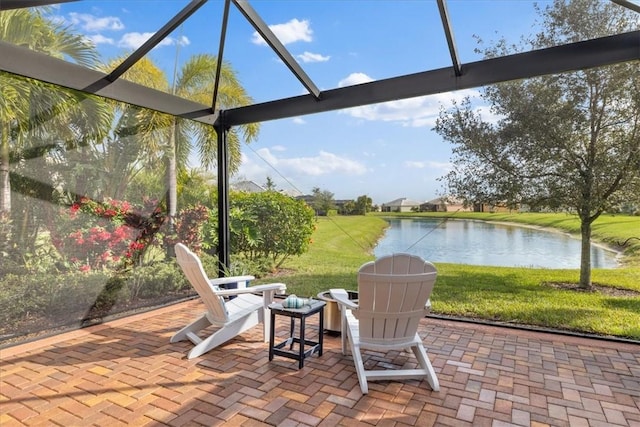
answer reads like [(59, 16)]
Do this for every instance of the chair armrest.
[(281, 287), (231, 279), (342, 297), (252, 289)]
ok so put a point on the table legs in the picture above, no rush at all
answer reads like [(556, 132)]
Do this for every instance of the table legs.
[(300, 354)]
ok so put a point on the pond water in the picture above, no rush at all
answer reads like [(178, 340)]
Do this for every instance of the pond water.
[(487, 243)]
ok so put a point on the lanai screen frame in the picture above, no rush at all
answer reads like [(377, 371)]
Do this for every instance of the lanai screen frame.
[(624, 47)]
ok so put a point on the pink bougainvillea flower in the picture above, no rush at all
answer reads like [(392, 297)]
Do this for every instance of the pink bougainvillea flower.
[(136, 246)]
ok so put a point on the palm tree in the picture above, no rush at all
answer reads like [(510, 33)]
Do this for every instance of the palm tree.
[(60, 125), (177, 138), (25, 104)]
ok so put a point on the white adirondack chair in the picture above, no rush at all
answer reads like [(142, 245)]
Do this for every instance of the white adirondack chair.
[(393, 295), (230, 317)]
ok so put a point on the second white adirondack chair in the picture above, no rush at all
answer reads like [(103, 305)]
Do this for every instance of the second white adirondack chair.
[(393, 295), (230, 317)]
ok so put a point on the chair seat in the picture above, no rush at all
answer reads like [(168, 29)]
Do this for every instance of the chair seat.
[(240, 306), (230, 317)]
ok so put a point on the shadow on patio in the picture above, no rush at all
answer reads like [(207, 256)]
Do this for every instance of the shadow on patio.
[(125, 372)]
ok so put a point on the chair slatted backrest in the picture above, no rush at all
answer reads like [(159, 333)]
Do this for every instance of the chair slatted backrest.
[(192, 268), (392, 293)]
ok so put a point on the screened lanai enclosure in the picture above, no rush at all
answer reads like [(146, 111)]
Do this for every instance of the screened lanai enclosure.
[(100, 136)]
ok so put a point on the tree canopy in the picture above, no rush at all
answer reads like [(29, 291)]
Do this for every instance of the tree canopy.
[(569, 141), (323, 201)]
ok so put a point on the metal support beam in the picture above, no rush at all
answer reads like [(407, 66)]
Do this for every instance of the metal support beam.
[(263, 29), (224, 234), (223, 36), (571, 57), (24, 62), (153, 41), (448, 32), (21, 4), (628, 5)]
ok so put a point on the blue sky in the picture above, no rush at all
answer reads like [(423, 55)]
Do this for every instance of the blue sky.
[(385, 151)]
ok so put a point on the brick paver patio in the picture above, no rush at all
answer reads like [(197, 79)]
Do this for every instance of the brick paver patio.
[(126, 372)]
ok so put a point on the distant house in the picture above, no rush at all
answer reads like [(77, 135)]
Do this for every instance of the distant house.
[(247, 187), (491, 208), (401, 205), (444, 204)]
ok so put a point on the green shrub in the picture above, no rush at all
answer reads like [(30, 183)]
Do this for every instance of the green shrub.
[(270, 225), (258, 267), (37, 301), (47, 295), (155, 280)]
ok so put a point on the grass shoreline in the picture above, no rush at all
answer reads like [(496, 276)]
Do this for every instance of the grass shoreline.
[(516, 296)]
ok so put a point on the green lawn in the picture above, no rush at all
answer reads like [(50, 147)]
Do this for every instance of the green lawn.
[(514, 295)]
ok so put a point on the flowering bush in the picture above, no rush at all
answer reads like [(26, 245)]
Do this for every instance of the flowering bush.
[(189, 227), (100, 235)]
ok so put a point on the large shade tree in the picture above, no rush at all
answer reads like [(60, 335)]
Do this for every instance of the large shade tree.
[(569, 141)]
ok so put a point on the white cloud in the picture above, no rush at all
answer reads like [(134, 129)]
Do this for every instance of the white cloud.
[(278, 148), (324, 163), (414, 112), (354, 79), (252, 170), (95, 24), (135, 40), (313, 57), (100, 39), (183, 41), (292, 31), (299, 121)]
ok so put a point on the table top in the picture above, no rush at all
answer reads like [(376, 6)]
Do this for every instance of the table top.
[(314, 307)]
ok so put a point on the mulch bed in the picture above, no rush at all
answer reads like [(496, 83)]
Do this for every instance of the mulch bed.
[(595, 288)]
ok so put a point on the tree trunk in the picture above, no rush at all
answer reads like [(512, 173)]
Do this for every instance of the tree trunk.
[(5, 184), (585, 253), (172, 179)]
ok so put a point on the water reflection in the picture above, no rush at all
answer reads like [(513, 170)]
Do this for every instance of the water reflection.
[(486, 243)]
